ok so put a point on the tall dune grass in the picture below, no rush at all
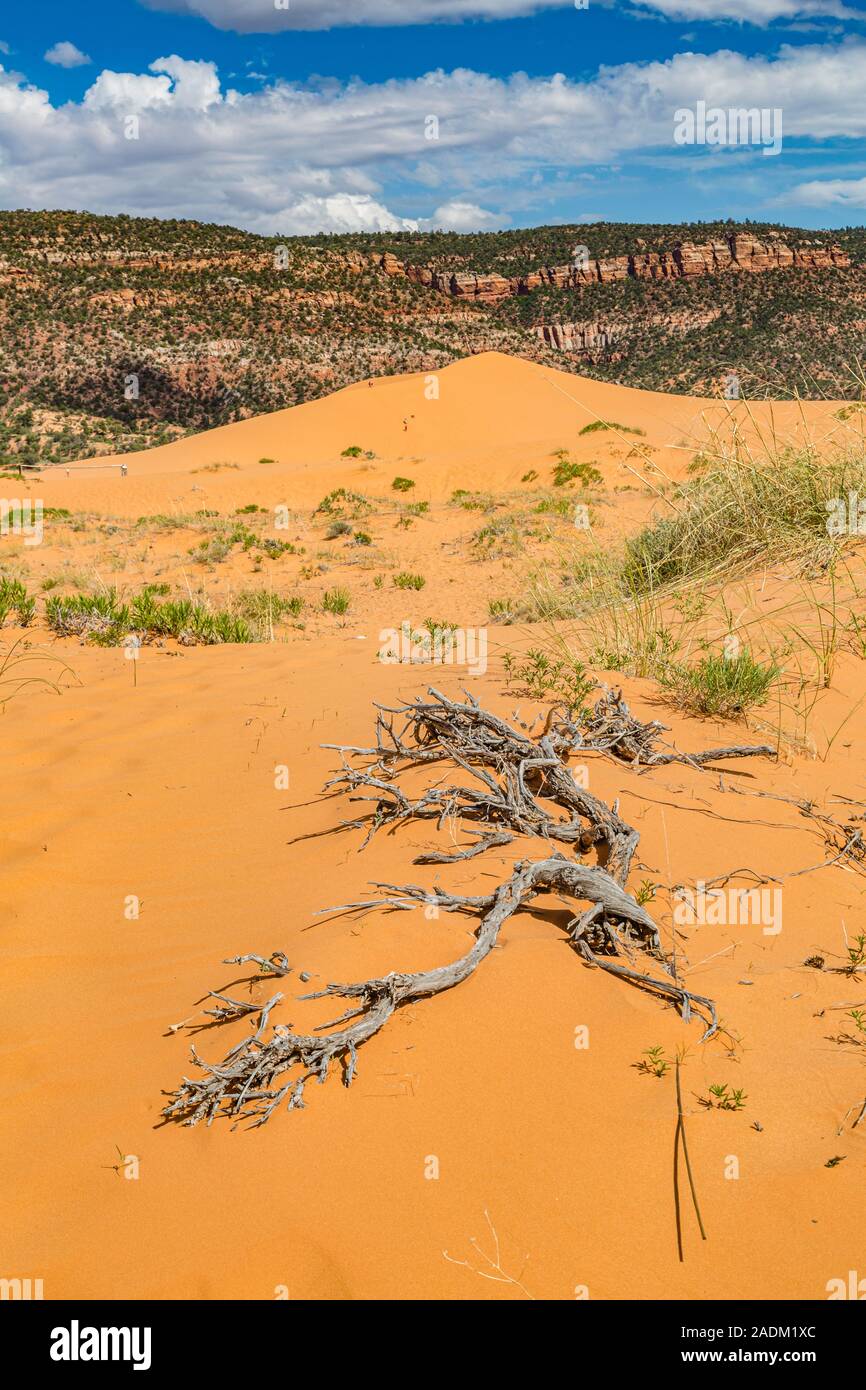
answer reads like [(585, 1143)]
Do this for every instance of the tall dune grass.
[(668, 602), (742, 510)]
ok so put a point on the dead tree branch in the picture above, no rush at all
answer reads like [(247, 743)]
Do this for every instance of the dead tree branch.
[(514, 785)]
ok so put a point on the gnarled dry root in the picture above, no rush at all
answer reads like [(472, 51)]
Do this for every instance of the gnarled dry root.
[(245, 1084), (613, 729), (511, 775), (512, 770)]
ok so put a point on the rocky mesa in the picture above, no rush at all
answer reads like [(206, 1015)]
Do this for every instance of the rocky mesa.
[(737, 252)]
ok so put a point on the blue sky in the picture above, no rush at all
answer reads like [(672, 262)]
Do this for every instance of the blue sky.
[(380, 114)]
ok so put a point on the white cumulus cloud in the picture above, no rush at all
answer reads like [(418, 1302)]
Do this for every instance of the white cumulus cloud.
[(272, 16), (463, 217), (292, 157), (181, 85), (822, 193), (341, 212), (65, 55), (269, 17), (757, 12)]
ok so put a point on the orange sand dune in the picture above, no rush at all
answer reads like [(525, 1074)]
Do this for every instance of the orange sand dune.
[(493, 419), (471, 1112)]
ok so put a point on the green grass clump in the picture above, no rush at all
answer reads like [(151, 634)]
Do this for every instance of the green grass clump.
[(503, 535), (104, 620), (403, 484), (342, 502), (212, 551), (721, 1098), (95, 616), (610, 425), (336, 601), (554, 506), (740, 511), (273, 549), (14, 598), (571, 471), (434, 626), (218, 547), (263, 610), (473, 501), (721, 686), (502, 610), (407, 580)]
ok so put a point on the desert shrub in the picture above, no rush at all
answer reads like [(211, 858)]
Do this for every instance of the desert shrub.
[(569, 470), (741, 510), (273, 548), (342, 502), (540, 675), (720, 685), (14, 598), (597, 425), (336, 600), (407, 580), (103, 619)]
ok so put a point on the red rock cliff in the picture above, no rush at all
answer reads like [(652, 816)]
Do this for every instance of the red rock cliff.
[(738, 252)]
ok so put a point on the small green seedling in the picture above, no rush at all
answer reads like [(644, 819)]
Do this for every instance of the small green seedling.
[(654, 1062)]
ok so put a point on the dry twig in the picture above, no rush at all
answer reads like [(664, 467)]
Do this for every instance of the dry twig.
[(512, 782)]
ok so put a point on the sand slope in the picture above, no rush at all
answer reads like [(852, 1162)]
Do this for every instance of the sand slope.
[(494, 419), (165, 790)]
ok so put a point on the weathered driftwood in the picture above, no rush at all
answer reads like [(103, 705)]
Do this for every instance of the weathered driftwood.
[(512, 783), (612, 728), (249, 1082), (512, 770)]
